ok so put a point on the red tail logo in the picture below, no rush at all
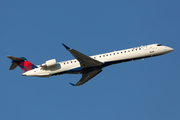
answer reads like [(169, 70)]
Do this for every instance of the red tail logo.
[(26, 65), (22, 63)]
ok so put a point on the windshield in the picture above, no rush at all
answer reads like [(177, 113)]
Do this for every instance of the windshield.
[(159, 45)]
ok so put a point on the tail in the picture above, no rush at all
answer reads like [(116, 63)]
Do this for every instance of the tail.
[(22, 62)]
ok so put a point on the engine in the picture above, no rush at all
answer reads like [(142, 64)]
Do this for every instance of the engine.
[(49, 64)]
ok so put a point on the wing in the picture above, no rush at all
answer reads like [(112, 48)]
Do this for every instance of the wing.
[(85, 61), (87, 76), (89, 66)]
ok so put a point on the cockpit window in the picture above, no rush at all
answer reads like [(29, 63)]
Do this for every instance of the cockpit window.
[(159, 45)]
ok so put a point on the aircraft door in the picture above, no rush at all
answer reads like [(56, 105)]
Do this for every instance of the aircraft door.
[(151, 50)]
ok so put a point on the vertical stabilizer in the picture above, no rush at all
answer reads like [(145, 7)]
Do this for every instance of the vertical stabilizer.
[(22, 62)]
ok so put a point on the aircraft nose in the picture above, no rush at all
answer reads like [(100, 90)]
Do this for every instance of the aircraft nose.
[(170, 49)]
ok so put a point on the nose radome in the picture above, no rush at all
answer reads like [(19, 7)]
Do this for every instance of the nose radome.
[(171, 49)]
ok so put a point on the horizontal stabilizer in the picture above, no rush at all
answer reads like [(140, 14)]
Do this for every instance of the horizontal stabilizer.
[(15, 58)]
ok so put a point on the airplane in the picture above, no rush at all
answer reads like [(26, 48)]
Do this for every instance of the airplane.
[(88, 66)]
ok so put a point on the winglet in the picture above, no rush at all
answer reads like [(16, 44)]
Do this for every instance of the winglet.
[(72, 84), (66, 46)]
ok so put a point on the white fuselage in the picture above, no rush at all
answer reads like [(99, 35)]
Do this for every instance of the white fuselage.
[(73, 66)]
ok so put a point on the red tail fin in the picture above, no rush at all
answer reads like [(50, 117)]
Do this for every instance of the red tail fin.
[(23, 63)]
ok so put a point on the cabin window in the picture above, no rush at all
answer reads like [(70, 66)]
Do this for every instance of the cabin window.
[(107, 55), (139, 48), (74, 61), (114, 53), (103, 55), (64, 63), (128, 50), (110, 54), (124, 51), (121, 52), (99, 56), (117, 52)]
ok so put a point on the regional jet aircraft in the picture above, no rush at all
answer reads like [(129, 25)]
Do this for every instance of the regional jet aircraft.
[(88, 66)]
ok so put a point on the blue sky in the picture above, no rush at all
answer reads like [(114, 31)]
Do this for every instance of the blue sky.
[(139, 90)]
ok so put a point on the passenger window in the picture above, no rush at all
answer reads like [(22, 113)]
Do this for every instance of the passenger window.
[(103, 55), (124, 51), (117, 52), (114, 53)]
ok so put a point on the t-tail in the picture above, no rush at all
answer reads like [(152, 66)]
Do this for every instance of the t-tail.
[(22, 62)]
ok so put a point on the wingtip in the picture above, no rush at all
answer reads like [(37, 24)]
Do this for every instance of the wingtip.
[(72, 84), (66, 46)]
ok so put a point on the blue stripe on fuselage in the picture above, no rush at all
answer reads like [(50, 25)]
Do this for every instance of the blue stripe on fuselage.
[(75, 69)]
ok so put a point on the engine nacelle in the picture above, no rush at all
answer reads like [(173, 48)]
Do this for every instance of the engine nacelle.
[(49, 64)]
